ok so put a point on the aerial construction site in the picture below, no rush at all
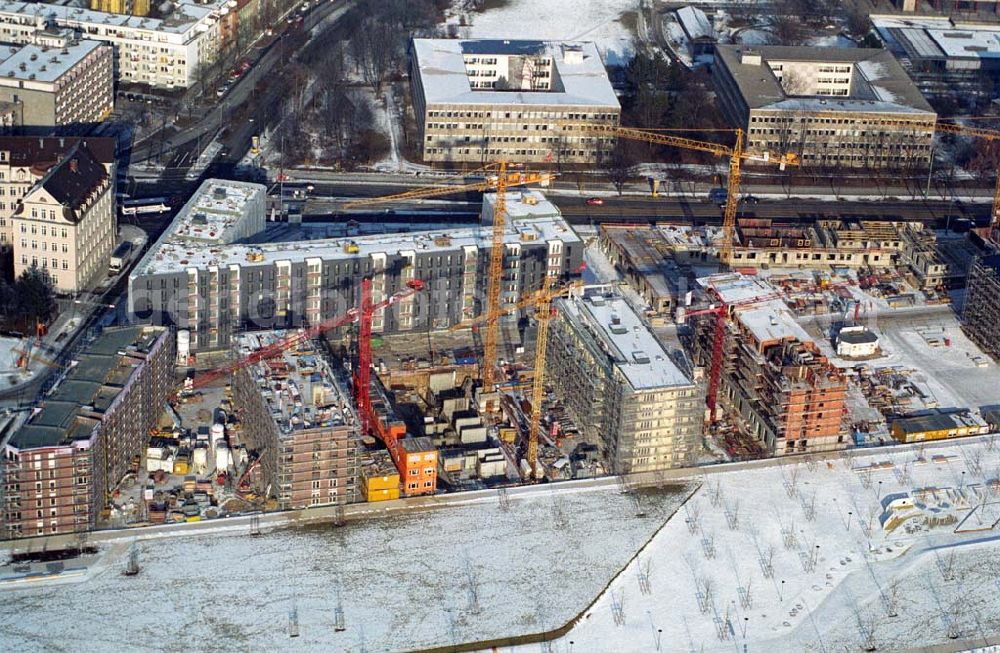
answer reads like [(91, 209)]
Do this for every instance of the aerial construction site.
[(549, 366)]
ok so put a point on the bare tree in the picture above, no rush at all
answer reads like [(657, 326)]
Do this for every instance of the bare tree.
[(619, 164)]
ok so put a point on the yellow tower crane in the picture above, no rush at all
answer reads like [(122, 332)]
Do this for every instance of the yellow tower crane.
[(541, 300), (735, 152), (498, 178)]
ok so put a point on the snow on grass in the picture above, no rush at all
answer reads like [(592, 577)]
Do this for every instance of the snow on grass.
[(793, 558), (568, 20), (404, 582)]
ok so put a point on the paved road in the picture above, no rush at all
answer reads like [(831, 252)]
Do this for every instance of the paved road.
[(241, 92), (328, 199)]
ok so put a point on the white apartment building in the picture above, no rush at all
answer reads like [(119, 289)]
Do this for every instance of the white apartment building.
[(161, 52), (57, 206), (60, 82), (478, 101)]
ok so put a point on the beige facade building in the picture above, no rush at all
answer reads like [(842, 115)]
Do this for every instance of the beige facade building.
[(832, 107), (159, 52), (64, 224), (478, 101), (620, 386), (60, 83)]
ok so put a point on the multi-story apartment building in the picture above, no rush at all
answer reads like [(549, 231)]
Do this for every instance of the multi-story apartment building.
[(158, 52), (58, 469), (196, 278), (24, 161), (300, 421), (776, 388), (831, 107), (620, 386), (65, 224), (478, 101), (128, 7), (66, 85), (981, 311)]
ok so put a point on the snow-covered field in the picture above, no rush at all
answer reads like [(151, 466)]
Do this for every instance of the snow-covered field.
[(569, 20), (431, 579), (793, 558)]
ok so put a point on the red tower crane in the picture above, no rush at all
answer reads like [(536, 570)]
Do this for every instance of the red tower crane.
[(363, 372), (277, 348), (722, 312)]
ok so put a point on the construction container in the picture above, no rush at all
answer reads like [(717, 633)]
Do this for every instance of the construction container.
[(181, 466), (380, 488)]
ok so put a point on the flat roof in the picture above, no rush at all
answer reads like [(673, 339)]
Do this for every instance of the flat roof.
[(884, 86), (215, 210), (181, 20), (936, 37), (623, 335), (169, 256), (46, 64), (521, 205), (443, 76), (299, 388), (772, 321), (938, 421), (97, 377)]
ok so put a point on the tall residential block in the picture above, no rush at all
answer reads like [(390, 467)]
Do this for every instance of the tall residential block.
[(58, 83), (58, 469), (776, 387), (481, 100), (620, 386), (299, 421), (199, 276)]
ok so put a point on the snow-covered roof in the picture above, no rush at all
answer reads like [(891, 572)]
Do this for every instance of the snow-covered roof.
[(771, 321), (167, 256), (695, 23), (879, 84), (182, 19), (938, 37), (634, 349), (579, 77), (43, 64)]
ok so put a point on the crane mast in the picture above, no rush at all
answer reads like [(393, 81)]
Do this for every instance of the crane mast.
[(494, 280)]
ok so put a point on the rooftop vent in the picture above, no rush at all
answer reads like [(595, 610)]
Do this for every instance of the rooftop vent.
[(33, 57), (616, 319), (596, 300), (219, 193), (640, 357), (199, 218)]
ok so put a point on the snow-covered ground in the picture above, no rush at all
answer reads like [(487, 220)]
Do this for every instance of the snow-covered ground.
[(793, 558), (568, 20), (430, 579)]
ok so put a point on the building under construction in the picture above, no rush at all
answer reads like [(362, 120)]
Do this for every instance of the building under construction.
[(299, 424), (620, 386), (775, 387), (981, 313), (59, 468)]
